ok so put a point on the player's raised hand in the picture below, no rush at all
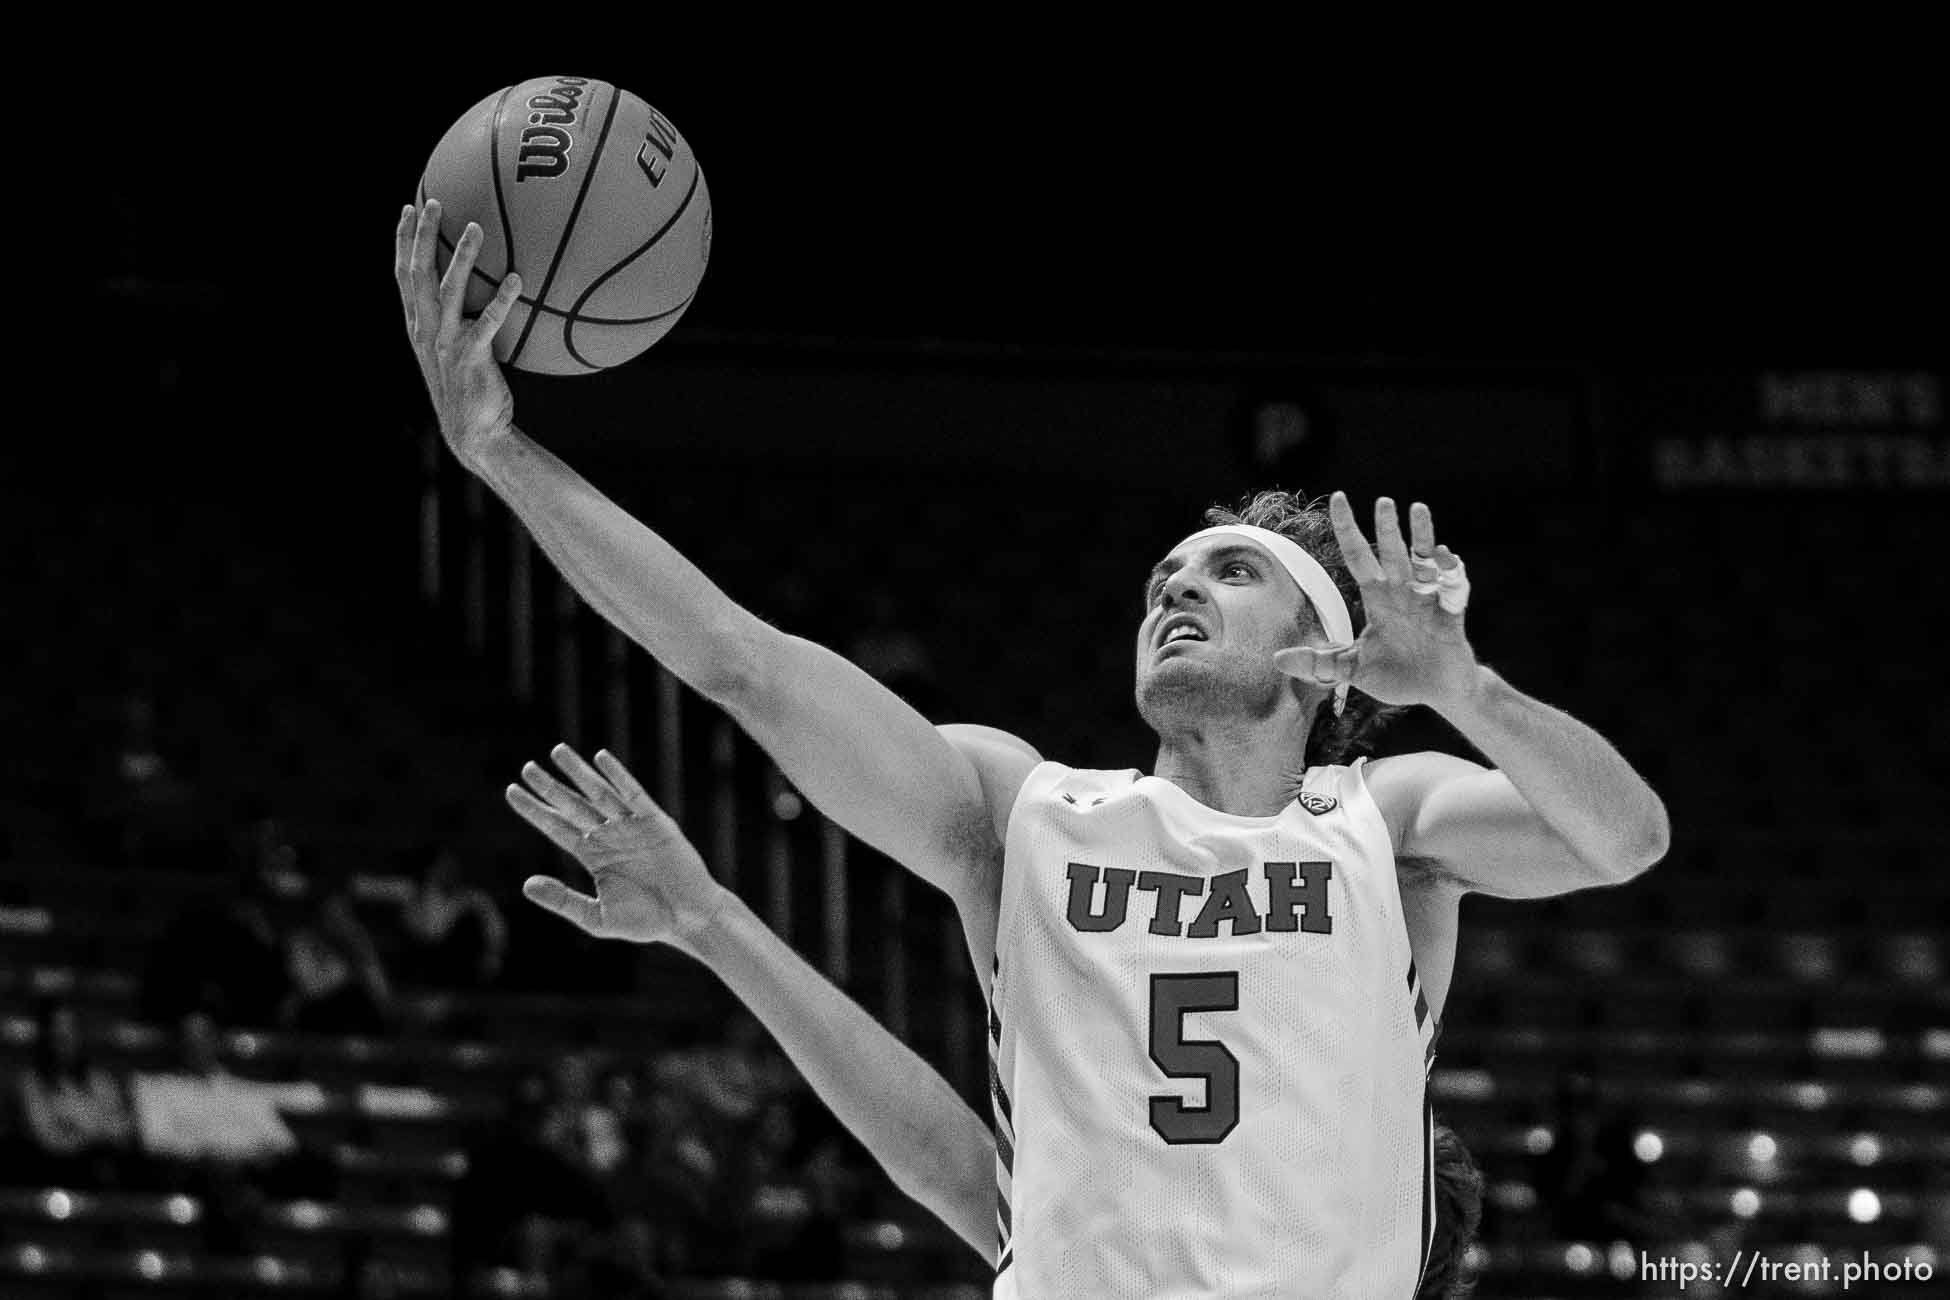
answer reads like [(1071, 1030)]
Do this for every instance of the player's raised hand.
[(1412, 650), (470, 395), (651, 885)]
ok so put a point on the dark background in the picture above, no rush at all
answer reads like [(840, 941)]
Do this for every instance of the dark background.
[(1338, 211)]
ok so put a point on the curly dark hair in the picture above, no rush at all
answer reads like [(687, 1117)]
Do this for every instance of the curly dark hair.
[(1292, 515), (1458, 1213)]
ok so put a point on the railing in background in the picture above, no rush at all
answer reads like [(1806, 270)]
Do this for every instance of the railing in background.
[(734, 780)]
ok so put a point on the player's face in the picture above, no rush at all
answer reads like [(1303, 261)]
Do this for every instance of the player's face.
[(1215, 612)]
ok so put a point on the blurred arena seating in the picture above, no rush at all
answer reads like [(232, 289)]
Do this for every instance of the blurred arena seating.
[(1762, 1019)]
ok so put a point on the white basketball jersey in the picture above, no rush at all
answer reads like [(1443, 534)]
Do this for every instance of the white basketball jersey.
[(1208, 1048)]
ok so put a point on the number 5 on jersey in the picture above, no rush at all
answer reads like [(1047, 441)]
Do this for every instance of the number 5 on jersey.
[(1172, 996)]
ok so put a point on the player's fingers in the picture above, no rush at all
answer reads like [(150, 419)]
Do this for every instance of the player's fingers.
[(561, 798), (453, 285), (426, 234), (1421, 530), (1388, 539), (1354, 547), (551, 895), (1322, 665), (1446, 559), (1425, 570), (543, 818), (592, 783), (1452, 584), (403, 259), (494, 315), (1297, 661), (626, 784)]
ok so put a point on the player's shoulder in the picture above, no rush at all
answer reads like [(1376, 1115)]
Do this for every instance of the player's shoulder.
[(986, 744), (1002, 763)]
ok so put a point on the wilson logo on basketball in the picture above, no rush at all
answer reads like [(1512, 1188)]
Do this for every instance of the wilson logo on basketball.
[(544, 144), (1318, 804)]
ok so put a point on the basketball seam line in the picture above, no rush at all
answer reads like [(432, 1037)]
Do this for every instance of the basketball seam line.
[(577, 317), (568, 328), (568, 321), (575, 211)]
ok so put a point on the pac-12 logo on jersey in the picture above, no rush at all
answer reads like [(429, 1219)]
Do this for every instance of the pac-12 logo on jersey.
[(1318, 804)]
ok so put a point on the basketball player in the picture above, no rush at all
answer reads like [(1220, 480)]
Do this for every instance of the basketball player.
[(1213, 990), (651, 886)]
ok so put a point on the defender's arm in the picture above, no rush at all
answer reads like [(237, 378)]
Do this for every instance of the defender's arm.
[(936, 1149)]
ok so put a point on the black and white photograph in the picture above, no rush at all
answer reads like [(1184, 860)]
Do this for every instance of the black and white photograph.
[(885, 670)]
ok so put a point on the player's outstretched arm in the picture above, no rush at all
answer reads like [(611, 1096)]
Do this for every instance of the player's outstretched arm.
[(652, 887), (1561, 810), (862, 755)]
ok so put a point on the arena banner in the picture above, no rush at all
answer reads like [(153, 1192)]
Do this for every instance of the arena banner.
[(1205, 422), (1788, 430)]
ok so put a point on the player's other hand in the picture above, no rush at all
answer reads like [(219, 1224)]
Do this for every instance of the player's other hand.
[(1413, 649), (470, 395), (651, 885)]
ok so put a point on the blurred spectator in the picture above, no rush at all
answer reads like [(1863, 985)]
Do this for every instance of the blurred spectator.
[(624, 1100), (631, 1266), (1933, 1214), (228, 957), (366, 1274), (671, 1180), (584, 1128), (145, 773), (1591, 1178), (74, 1115), (734, 1079), (834, 1186), (256, 835), (200, 1111), (149, 803), (522, 1203), (338, 984), (790, 1195), (221, 1138), (893, 654), (764, 1205), (455, 934)]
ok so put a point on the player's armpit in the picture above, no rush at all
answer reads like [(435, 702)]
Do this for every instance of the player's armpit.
[(1472, 823), (1001, 762)]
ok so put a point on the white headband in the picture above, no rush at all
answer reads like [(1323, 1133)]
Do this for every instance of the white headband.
[(1315, 585)]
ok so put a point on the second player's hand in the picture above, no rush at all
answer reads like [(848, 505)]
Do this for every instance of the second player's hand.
[(470, 394), (651, 885)]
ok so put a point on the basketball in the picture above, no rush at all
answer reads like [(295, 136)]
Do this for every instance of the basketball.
[(594, 199)]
